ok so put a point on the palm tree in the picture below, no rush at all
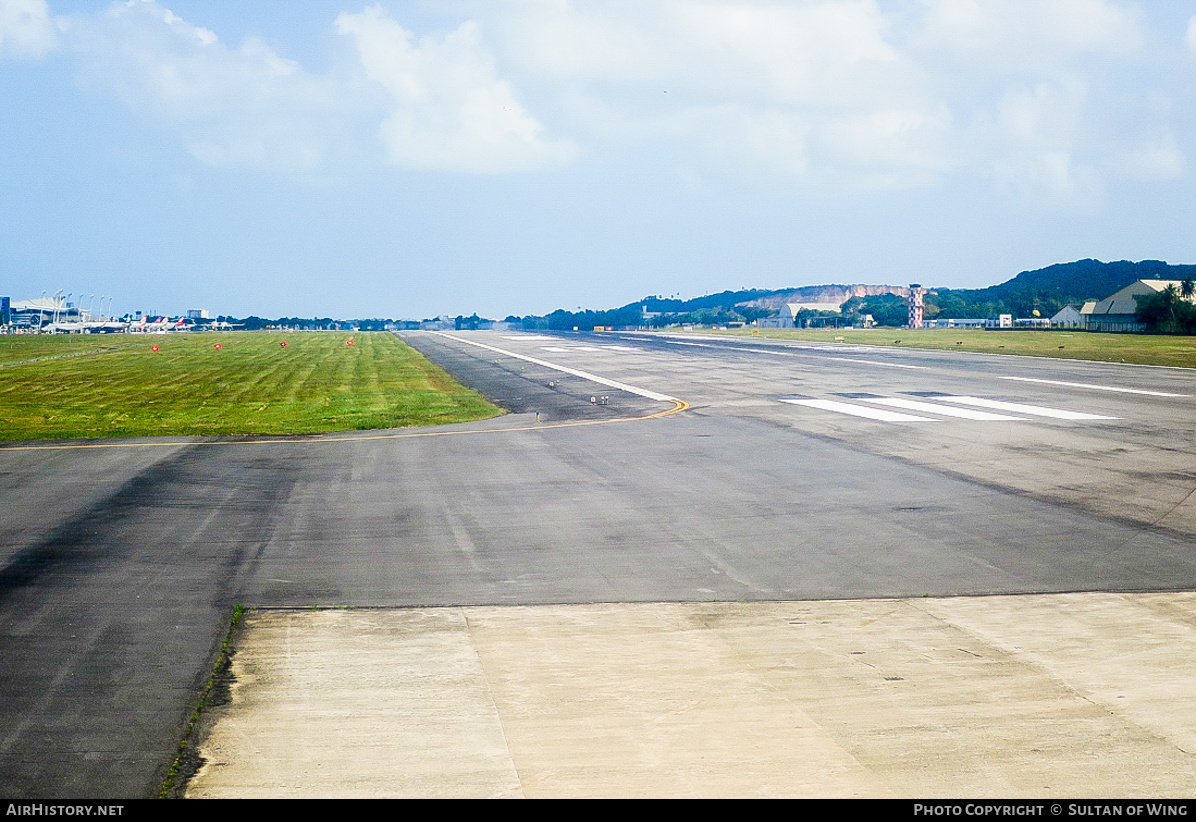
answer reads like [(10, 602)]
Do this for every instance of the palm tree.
[(1170, 295), (1186, 321)]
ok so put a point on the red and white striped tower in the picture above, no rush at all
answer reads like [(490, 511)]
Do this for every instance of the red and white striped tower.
[(915, 306)]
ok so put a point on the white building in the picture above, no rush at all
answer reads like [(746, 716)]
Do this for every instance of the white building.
[(1117, 312), (1069, 317)]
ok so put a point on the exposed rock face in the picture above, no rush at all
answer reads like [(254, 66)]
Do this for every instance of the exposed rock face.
[(825, 294)]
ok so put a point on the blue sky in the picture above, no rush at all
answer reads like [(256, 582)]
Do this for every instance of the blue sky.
[(407, 159)]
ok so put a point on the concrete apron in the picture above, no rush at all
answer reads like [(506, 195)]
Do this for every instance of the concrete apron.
[(1026, 696)]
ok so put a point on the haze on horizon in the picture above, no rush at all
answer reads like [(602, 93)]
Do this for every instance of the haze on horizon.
[(407, 159)]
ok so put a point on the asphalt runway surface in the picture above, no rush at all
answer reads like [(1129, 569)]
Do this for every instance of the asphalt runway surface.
[(704, 469)]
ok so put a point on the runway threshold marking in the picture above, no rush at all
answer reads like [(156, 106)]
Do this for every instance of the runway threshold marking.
[(1019, 408), (1116, 388), (925, 407), (585, 375), (859, 411), (962, 413)]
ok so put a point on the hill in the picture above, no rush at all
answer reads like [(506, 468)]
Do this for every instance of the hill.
[(1048, 288), (1045, 290), (1051, 288)]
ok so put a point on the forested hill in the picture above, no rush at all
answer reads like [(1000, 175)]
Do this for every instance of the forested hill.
[(1081, 280), (1031, 293), (1046, 290), (725, 299)]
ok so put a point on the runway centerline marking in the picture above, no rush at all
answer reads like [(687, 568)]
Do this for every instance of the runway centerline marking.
[(1116, 388), (585, 375)]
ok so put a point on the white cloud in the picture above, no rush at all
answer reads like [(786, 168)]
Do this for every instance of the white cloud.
[(245, 106), (1036, 148), (816, 52), (1042, 96), (793, 52), (893, 147), (440, 102), (451, 110), (1052, 96), (1029, 34), (757, 87), (1192, 33), (778, 139), (1156, 159), (25, 28)]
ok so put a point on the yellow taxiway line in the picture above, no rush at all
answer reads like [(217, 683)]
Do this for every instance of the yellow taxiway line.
[(678, 406)]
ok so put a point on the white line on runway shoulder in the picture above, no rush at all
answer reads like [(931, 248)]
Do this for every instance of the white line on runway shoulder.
[(631, 389), (1098, 387)]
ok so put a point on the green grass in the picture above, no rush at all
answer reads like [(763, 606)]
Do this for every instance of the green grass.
[(187, 760), (1076, 345), (115, 385), (18, 348)]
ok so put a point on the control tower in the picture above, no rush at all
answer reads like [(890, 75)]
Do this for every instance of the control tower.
[(915, 305)]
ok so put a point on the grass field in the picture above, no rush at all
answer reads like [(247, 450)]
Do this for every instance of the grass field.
[(117, 386), (1077, 345)]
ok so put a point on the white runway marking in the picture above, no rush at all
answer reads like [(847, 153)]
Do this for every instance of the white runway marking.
[(1018, 408), (804, 352), (859, 411), (631, 389), (887, 364), (556, 349), (1098, 387), (931, 408)]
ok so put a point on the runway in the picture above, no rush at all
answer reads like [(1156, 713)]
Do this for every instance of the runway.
[(706, 470)]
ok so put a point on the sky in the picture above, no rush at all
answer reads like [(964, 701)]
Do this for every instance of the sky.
[(407, 159)]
